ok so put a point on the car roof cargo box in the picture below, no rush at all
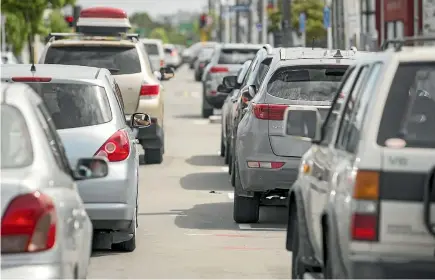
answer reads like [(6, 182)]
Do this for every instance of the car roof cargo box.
[(103, 21)]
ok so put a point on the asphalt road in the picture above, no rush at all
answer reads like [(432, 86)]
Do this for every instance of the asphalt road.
[(186, 229)]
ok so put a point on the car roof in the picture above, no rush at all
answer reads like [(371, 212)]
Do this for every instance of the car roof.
[(55, 71), (241, 46), (94, 41)]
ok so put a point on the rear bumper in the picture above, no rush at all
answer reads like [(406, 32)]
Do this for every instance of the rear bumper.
[(217, 101), (261, 179), (37, 271), (370, 267), (110, 216)]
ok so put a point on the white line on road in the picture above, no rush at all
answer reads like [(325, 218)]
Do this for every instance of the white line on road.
[(224, 168), (195, 94), (231, 195), (248, 227)]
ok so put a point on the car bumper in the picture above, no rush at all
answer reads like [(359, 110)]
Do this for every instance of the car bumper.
[(262, 179), (110, 216), (391, 268), (37, 271), (217, 101)]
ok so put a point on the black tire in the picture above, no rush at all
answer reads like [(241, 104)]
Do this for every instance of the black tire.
[(246, 209), (222, 152), (297, 268), (206, 112), (129, 245), (233, 173), (154, 156), (227, 155)]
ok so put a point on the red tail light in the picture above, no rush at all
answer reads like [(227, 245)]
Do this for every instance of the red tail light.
[(149, 90), (31, 79), (29, 224), (116, 148), (218, 69), (364, 227), (274, 112), (162, 63)]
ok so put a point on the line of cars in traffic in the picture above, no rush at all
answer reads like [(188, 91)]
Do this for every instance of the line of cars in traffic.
[(346, 140), (82, 106)]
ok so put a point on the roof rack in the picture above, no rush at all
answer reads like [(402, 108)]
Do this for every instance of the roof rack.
[(398, 43), (304, 52), (120, 36)]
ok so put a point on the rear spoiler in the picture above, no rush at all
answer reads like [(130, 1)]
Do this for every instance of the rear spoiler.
[(120, 36)]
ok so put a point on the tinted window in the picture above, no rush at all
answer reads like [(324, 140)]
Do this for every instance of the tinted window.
[(75, 105), (119, 60), (236, 56), (310, 83), (16, 145), (152, 49), (409, 111)]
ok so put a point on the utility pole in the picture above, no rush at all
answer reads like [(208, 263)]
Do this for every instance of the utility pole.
[(250, 20), (286, 24), (237, 23), (264, 20)]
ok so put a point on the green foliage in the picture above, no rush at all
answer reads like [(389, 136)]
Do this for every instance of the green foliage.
[(25, 17), (159, 33), (57, 22)]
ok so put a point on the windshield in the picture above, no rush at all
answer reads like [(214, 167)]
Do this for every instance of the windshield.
[(152, 49), (74, 105), (236, 56), (119, 60), (409, 112), (307, 83), (16, 145)]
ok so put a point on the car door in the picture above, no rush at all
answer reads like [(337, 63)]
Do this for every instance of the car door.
[(77, 231), (323, 159)]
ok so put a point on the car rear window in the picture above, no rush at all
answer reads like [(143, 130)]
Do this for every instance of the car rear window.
[(16, 145), (409, 112), (307, 83), (236, 56), (74, 105), (152, 49), (119, 60)]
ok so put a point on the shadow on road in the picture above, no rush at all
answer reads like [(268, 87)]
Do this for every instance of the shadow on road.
[(212, 181), (212, 216), (206, 160)]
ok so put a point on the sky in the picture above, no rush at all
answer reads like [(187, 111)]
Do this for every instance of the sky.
[(152, 7)]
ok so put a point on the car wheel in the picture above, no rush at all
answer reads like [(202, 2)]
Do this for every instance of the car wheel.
[(246, 209), (129, 245), (227, 155), (153, 156), (206, 112), (297, 267), (222, 152)]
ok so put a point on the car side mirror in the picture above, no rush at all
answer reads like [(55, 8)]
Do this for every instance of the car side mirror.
[(230, 81), (140, 120), (302, 122), (252, 90), (91, 168), (167, 73), (223, 89)]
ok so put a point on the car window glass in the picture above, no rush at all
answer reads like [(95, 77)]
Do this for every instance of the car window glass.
[(346, 119), (409, 112), (147, 67), (331, 120), (152, 49), (236, 56), (119, 60), (16, 145), (351, 134), (75, 105)]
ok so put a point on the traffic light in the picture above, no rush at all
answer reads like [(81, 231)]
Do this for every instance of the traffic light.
[(69, 20), (203, 21)]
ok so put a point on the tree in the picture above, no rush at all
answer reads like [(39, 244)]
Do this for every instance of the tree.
[(159, 33), (57, 22), (26, 16), (313, 10)]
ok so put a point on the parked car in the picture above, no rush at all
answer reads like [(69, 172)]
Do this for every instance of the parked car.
[(229, 108), (191, 54), (172, 57), (129, 63), (363, 203), (88, 114), (266, 161), (155, 51), (42, 212), (227, 60), (204, 58)]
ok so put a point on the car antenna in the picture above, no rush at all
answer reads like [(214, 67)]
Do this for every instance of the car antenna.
[(33, 68), (312, 43)]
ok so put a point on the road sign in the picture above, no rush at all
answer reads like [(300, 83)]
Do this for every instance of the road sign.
[(326, 17), (240, 8), (302, 20), (259, 26)]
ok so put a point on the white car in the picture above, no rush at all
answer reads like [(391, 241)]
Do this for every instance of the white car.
[(155, 51), (172, 57)]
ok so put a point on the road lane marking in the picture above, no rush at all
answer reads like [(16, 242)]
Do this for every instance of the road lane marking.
[(224, 168), (231, 195)]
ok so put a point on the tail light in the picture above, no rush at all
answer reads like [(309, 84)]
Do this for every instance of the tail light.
[(116, 148), (218, 69), (365, 216), (149, 90), (29, 224), (31, 79), (173, 53), (265, 164), (273, 112), (162, 63)]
